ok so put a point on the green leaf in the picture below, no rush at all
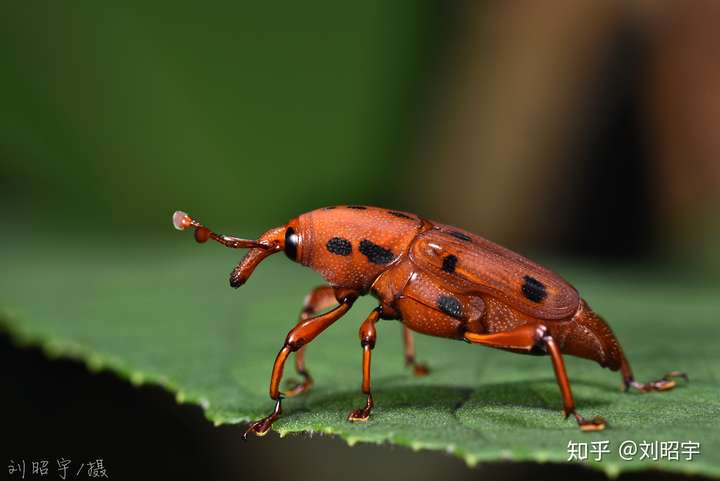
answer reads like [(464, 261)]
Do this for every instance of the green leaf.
[(163, 313)]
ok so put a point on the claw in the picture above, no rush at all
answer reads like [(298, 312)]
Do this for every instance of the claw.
[(666, 383), (259, 428), (597, 423), (262, 426), (421, 370), (359, 415), (362, 414)]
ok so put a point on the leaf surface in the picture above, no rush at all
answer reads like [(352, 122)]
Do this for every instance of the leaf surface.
[(166, 315)]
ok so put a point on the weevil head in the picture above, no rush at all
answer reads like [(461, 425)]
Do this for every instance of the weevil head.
[(285, 238), (349, 246)]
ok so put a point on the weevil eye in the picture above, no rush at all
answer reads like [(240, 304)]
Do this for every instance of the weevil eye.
[(292, 240)]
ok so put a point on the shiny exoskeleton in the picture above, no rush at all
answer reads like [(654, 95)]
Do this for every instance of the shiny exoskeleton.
[(437, 280)]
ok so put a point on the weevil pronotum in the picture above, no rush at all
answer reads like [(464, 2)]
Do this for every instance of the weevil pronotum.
[(437, 280)]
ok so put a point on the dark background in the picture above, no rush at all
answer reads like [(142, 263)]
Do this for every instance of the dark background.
[(585, 129)]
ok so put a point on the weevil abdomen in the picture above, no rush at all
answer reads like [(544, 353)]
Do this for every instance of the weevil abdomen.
[(587, 335)]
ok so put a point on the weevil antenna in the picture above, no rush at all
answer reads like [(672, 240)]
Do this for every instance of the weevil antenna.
[(182, 221)]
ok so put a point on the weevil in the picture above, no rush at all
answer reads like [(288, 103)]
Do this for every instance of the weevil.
[(437, 280)]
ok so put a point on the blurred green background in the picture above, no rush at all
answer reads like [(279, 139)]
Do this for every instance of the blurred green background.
[(242, 113), (577, 129), (583, 129)]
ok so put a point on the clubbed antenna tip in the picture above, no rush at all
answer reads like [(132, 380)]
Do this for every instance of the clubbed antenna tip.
[(181, 220)]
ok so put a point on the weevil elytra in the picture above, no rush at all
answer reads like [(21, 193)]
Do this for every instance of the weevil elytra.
[(437, 280)]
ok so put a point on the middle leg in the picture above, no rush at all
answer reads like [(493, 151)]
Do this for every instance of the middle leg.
[(368, 336), (320, 298)]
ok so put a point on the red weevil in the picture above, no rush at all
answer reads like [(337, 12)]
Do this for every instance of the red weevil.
[(437, 280)]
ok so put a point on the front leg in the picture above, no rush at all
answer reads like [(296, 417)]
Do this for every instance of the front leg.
[(318, 299), (367, 342), (299, 336), (532, 337)]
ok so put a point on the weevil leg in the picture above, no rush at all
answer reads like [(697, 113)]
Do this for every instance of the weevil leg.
[(666, 383), (367, 342), (410, 361), (532, 337), (299, 336), (318, 299), (597, 423), (322, 297)]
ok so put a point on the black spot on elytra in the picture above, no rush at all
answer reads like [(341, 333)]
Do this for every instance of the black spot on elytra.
[(330, 208), (459, 235), (533, 289), (357, 207), (450, 306), (375, 253), (339, 246), (449, 263), (400, 214)]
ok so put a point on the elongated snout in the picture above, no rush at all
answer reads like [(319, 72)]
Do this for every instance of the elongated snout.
[(273, 241)]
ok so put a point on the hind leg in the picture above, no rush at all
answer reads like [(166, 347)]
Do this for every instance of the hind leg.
[(368, 335), (533, 337), (590, 337), (663, 384)]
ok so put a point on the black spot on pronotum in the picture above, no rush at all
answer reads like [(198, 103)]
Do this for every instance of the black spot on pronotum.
[(450, 306), (449, 263), (459, 235), (375, 253), (533, 289), (291, 243), (339, 246), (357, 207), (400, 214)]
